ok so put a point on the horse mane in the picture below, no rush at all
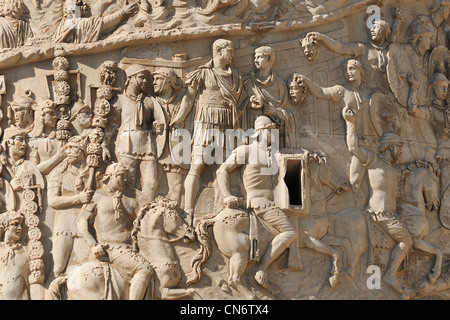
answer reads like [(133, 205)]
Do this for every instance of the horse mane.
[(161, 201), (412, 166)]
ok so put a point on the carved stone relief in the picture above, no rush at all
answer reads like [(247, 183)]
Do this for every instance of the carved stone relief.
[(224, 150)]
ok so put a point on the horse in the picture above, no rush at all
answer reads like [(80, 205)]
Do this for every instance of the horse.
[(322, 231), (419, 195), (230, 229), (150, 239), (99, 280)]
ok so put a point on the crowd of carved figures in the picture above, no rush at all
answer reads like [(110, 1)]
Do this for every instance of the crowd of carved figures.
[(83, 215)]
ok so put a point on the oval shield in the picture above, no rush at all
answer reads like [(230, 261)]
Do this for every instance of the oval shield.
[(398, 66), (444, 210)]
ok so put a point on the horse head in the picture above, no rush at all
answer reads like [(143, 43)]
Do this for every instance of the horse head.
[(421, 184), (431, 188), (327, 177), (172, 222)]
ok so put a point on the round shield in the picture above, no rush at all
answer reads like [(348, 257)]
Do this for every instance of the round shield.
[(397, 67), (159, 116), (384, 114), (444, 210)]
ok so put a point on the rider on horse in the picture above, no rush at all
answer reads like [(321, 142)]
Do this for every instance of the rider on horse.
[(259, 190)]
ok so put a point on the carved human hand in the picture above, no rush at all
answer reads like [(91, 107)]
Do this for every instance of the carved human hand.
[(315, 36), (399, 14), (176, 122), (99, 250), (257, 102), (106, 154), (302, 78), (412, 80), (144, 5), (232, 202), (269, 109), (130, 9), (433, 205), (85, 196), (15, 184), (348, 115), (159, 127), (343, 188)]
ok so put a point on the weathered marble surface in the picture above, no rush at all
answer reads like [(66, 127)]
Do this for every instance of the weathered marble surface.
[(103, 101)]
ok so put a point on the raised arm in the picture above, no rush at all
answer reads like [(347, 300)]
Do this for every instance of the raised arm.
[(45, 167), (112, 20), (333, 45)]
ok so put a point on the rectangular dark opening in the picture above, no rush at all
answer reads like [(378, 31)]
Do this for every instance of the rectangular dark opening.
[(293, 182)]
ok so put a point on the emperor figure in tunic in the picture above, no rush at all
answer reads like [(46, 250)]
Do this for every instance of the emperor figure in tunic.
[(218, 87)]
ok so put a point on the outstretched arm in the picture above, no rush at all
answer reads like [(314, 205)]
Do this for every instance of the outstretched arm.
[(333, 45), (322, 93)]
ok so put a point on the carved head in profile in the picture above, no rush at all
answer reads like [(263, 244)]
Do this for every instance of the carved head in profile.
[(380, 32), (420, 35), (263, 129), (108, 73), (392, 144), (164, 79), (81, 113), (76, 149), (297, 89), (137, 77), (310, 48), (439, 84), (11, 225), (74, 9), (354, 72), (224, 50), (15, 143), (12, 9), (264, 58), (47, 109), (115, 177), (22, 108)]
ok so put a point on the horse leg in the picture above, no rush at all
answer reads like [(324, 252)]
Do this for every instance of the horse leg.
[(322, 247), (176, 293), (345, 243), (237, 264), (424, 246), (168, 279)]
